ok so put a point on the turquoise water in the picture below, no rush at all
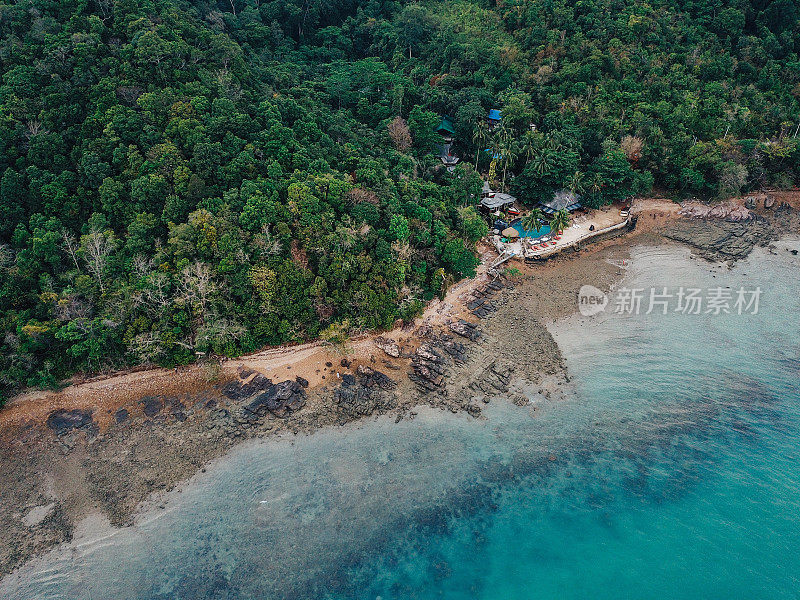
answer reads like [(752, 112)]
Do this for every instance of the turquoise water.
[(672, 471), (531, 234)]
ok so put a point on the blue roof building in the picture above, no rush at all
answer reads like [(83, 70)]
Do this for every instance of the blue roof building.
[(494, 115)]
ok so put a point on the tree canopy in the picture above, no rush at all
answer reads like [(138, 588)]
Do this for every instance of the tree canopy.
[(185, 177)]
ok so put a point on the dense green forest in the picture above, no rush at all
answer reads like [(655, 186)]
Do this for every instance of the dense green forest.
[(181, 177)]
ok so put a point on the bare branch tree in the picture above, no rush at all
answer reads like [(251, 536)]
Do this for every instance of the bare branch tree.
[(70, 245), (97, 246), (7, 257), (196, 285)]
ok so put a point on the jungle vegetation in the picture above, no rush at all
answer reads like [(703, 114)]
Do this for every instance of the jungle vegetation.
[(183, 178)]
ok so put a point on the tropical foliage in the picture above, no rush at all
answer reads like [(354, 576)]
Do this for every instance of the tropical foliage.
[(183, 177)]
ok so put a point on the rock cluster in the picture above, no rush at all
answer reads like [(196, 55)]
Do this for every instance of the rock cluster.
[(480, 305), (64, 421), (465, 329), (722, 240), (427, 369), (389, 347), (723, 211), (760, 200), (494, 379), (241, 390), (429, 363), (364, 393), (280, 399)]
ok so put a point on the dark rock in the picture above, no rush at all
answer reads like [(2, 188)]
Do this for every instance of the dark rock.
[(423, 384), (345, 363), (722, 240), (424, 331), (236, 390), (464, 329), (360, 401), (426, 352), (281, 399), (348, 379), (371, 377), (244, 372), (152, 406), (121, 415), (302, 381), (428, 374), (63, 421), (328, 364)]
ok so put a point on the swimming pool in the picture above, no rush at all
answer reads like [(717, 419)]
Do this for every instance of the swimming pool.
[(523, 233)]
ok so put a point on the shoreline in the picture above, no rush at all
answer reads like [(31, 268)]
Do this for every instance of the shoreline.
[(655, 213), (175, 426)]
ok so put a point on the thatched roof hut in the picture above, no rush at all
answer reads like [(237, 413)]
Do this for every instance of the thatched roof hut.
[(510, 232), (563, 199)]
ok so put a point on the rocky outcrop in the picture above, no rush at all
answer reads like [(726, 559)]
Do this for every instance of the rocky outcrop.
[(64, 421), (151, 406), (280, 399), (481, 305), (238, 390), (389, 347), (370, 378), (465, 329), (723, 211), (365, 393), (494, 379), (430, 361), (722, 240)]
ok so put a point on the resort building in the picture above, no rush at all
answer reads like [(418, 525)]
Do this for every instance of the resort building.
[(494, 117), (492, 201), (448, 133), (561, 200), (446, 130)]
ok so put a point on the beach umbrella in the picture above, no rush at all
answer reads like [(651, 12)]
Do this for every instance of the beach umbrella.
[(510, 233)]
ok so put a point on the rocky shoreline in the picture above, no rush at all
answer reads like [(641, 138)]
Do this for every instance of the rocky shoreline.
[(729, 232), (57, 472)]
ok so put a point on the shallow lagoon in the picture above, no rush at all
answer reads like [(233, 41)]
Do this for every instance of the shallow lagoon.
[(672, 471)]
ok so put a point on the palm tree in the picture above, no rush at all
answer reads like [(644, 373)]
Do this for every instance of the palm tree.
[(529, 146), (575, 183), (509, 152), (532, 221), (597, 183), (480, 136), (542, 161), (555, 141), (559, 221)]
